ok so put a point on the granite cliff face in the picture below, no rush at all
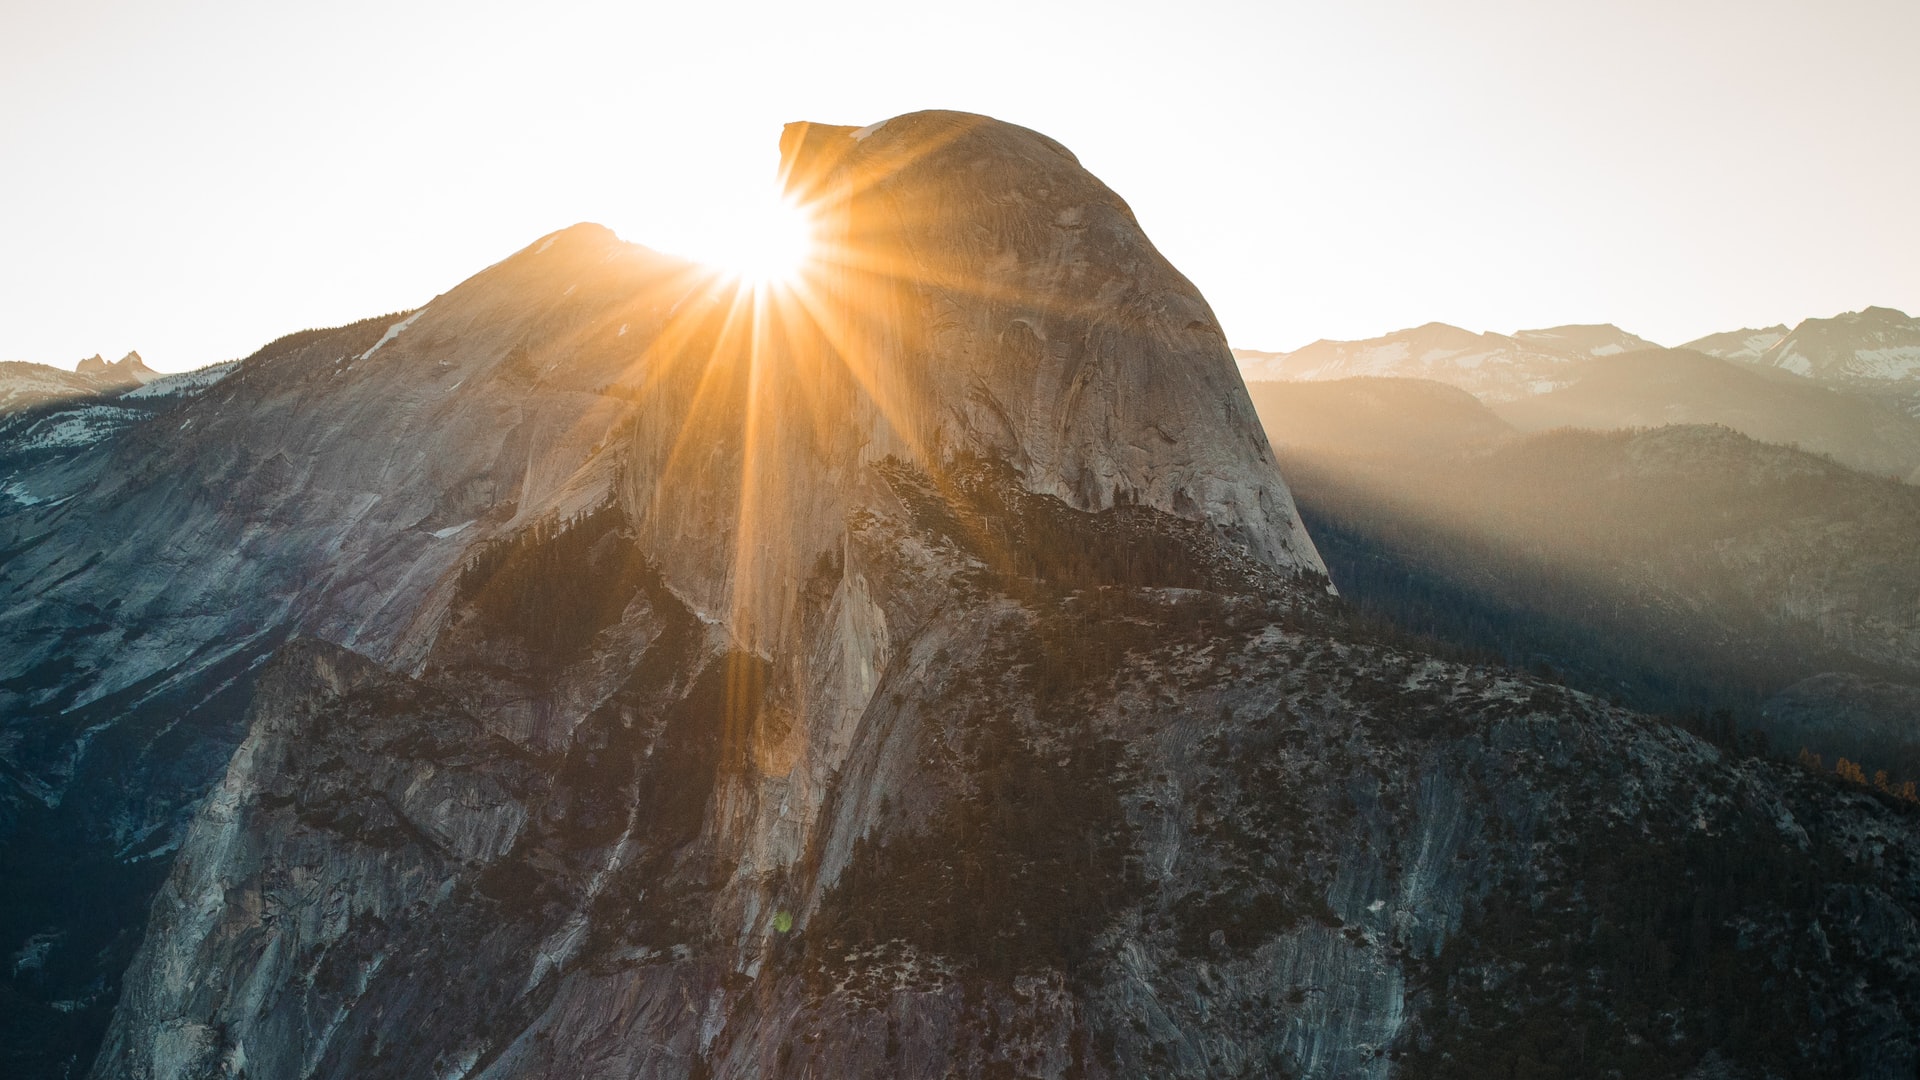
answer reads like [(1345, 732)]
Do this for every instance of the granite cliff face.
[(333, 484), (606, 670)]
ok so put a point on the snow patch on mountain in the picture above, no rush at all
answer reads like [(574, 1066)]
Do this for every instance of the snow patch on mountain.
[(71, 428), (1899, 362), (1745, 344), (182, 384), (1870, 349), (394, 330), (1496, 367)]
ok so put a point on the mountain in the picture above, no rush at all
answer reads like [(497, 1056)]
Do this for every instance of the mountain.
[(1679, 386), (1602, 377), (1364, 418), (1872, 347), (81, 414), (335, 484), (1494, 367), (608, 670), (1875, 349), (1684, 569), (24, 385), (1603, 339), (129, 369), (1846, 715), (1746, 345)]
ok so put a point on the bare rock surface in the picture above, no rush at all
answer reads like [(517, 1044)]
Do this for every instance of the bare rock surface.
[(608, 670), (1087, 823), (334, 484)]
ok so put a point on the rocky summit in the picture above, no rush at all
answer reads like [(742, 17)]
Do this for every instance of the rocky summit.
[(609, 669)]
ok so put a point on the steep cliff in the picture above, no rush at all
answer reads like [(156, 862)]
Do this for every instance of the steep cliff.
[(919, 670), (1091, 817), (333, 484)]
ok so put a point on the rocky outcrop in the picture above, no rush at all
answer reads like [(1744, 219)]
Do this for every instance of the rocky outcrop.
[(1085, 824), (921, 670), (26, 386), (333, 484), (129, 369)]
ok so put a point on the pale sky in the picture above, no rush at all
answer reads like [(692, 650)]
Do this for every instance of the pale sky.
[(195, 179)]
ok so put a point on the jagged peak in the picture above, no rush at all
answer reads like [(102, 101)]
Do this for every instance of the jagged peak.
[(133, 368), (129, 368)]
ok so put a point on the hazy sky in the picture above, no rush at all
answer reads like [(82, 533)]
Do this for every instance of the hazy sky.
[(194, 179)]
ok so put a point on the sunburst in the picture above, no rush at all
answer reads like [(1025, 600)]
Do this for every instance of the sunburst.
[(762, 243)]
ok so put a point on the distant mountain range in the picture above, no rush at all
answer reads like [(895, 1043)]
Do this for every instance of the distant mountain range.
[(1496, 367), (1681, 566), (1858, 348), (1680, 386), (42, 413), (1847, 387), (24, 385), (1876, 349)]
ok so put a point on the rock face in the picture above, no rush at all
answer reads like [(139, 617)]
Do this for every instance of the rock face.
[(1234, 837), (129, 369), (918, 671), (333, 484)]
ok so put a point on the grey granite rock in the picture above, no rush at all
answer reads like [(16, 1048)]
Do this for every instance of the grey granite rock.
[(920, 672)]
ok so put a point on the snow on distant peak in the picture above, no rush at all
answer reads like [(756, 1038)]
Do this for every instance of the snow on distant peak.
[(1594, 339), (1745, 344), (68, 429), (1873, 346), (1495, 367)]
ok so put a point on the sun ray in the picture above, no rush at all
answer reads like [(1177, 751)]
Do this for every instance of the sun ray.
[(785, 339)]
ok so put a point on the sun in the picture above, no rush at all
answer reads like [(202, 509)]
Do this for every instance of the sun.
[(762, 242)]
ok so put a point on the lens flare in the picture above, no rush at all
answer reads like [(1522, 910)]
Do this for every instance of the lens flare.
[(764, 242)]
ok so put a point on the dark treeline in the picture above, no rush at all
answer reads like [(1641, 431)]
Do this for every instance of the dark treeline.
[(557, 583)]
